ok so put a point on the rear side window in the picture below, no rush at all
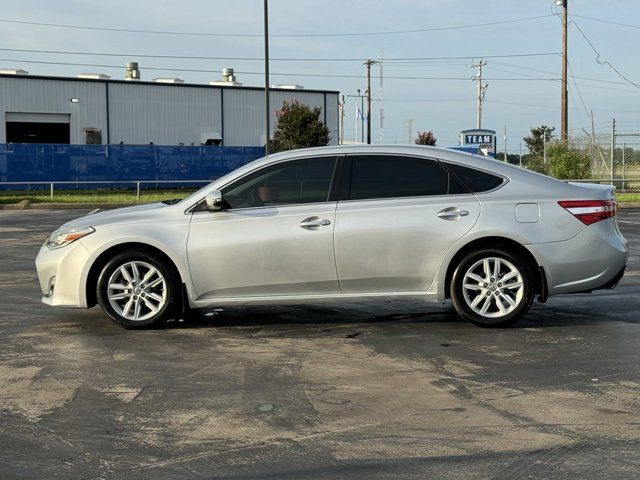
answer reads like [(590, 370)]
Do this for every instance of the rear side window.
[(389, 176), (475, 180)]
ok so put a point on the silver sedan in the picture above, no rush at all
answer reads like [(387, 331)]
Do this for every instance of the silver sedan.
[(344, 223)]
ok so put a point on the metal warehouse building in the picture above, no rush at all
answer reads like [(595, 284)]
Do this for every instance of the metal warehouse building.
[(95, 109)]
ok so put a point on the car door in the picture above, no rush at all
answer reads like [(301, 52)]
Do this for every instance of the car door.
[(274, 236), (397, 217)]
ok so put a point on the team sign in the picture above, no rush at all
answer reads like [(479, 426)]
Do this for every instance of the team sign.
[(478, 139)]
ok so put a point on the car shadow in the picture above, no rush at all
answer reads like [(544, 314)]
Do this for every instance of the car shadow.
[(540, 316), (245, 316)]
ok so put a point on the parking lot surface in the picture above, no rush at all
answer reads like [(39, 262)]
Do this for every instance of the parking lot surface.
[(367, 390)]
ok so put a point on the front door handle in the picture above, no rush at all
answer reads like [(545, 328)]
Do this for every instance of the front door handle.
[(314, 223), (452, 213)]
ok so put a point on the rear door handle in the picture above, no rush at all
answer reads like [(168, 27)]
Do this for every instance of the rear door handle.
[(314, 223), (452, 213)]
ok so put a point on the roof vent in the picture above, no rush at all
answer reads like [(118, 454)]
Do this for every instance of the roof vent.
[(227, 75), (228, 79), (12, 71), (168, 80), (93, 76), (133, 72)]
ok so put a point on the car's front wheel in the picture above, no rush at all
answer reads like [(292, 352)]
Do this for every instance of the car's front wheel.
[(138, 289), (492, 288)]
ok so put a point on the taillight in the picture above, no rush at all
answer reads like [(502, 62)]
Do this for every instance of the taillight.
[(590, 211)]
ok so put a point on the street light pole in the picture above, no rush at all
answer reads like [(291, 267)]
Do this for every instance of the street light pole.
[(266, 78)]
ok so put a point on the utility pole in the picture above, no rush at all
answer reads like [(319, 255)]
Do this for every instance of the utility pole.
[(381, 103), (266, 78), (482, 89), (368, 64), (564, 110)]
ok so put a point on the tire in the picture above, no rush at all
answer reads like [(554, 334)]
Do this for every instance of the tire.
[(130, 302), (480, 297)]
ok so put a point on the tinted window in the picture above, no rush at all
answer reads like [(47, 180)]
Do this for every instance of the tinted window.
[(293, 182), (475, 180), (387, 176)]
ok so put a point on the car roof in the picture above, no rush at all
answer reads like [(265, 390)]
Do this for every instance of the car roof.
[(446, 154)]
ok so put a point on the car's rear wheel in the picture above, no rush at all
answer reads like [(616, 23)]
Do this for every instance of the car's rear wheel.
[(138, 289), (492, 288)]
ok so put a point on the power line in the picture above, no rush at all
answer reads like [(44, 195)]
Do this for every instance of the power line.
[(236, 35), (260, 59), (611, 22), (604, 62), (573, 79), (292, 74), (205, 70)]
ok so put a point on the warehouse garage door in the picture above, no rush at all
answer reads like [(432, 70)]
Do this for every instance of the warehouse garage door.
[(37, 127)]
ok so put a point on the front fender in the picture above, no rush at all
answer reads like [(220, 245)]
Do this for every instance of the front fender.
[(172, 244)]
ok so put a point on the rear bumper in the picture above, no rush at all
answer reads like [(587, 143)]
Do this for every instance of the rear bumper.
[(594, 259), (613, 283)]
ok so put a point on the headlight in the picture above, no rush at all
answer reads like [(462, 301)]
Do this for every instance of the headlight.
[(65, 236)]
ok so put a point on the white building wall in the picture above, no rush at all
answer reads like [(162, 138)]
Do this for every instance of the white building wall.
[(140, 113), (243, 117), (162, 114), (333, 122), (32, 95)]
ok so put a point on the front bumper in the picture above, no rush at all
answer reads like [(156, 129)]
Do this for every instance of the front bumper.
[(66, 266)]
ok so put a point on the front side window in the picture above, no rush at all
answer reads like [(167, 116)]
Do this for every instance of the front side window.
[(287, 183), (389, 176)]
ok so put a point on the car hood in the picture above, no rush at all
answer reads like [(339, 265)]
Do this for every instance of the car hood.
[(135, 214)]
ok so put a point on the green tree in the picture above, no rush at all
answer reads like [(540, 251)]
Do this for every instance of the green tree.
[(565, 163), (426, 138), (535, 143), (299, 127)]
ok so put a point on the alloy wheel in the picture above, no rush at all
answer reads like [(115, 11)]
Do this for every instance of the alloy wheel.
[(137, 290), (493, 287)]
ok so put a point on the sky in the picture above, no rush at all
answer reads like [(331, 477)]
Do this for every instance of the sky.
[(328, 43)]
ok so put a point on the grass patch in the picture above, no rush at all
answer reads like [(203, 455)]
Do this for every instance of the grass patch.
[(94, 196), (120, 197), (628, 197)]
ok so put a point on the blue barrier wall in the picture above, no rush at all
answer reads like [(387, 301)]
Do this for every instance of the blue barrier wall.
[(474, 150), (47, 162)]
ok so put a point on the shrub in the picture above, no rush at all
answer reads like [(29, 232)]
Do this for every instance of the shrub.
[(536, 164), (565, 163), (426, 138)]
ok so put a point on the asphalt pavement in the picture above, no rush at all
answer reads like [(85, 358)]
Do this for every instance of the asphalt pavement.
[(383, 390)]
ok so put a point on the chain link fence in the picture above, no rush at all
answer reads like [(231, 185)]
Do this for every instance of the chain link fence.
[(614, 156)]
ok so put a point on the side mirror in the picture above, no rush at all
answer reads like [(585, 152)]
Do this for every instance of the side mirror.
[(213, 201)]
